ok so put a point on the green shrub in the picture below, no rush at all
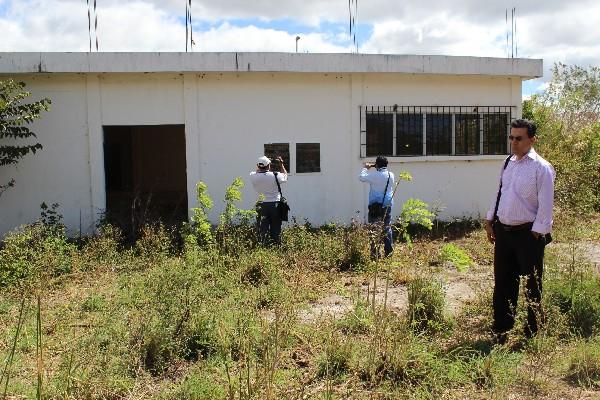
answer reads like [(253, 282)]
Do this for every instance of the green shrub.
[(456, 256), (426, 301), (199, 229), (34, 251)]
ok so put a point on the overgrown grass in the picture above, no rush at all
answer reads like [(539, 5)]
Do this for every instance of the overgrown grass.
[(153, 319)]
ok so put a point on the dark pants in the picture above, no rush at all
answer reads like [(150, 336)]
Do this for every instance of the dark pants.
[(387, 232), (269, 222), (517, 253)]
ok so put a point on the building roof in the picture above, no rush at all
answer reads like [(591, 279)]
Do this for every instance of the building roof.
[(136, 62)]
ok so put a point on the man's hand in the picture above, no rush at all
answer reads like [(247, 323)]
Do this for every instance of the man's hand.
[(490, 231), (281, 165), (536, 235), (369, 165)]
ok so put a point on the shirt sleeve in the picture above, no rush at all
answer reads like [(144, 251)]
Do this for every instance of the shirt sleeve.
[(281, 177), (545, 186), (364, 175)]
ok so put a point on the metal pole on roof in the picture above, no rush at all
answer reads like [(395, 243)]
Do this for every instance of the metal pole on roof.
[(297, 38)]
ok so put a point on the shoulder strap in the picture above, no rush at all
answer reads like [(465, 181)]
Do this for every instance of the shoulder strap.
[(500, 188), (386, 186), (278, 185)]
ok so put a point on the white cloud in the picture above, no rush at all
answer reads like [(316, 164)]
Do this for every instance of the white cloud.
[(140, 26), (439, 33)]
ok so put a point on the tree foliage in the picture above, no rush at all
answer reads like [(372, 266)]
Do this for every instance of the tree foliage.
[(15, 116), (568, 117)]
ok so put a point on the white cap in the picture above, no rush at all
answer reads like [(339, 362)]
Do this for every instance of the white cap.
[(263, 161)]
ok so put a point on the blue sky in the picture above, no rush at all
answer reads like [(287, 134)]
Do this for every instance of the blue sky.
[(464, 27)]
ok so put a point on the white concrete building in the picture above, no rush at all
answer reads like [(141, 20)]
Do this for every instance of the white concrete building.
[(127, 123)]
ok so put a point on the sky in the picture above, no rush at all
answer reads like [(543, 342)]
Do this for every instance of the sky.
[(556, 31)]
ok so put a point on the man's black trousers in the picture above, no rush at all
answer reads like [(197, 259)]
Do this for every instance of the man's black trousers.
[(269, 218), (517, 253)]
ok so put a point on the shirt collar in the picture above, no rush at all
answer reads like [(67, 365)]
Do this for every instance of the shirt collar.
[(530, 154)]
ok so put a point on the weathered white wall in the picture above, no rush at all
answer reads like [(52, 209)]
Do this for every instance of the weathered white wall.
[(228, 118), (60, 172)]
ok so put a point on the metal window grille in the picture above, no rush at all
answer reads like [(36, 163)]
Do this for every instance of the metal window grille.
[(400, 131)]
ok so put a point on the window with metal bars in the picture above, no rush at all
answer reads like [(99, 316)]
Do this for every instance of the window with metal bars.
[(434, 130)]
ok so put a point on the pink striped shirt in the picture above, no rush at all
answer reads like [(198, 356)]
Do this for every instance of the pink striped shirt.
[(527, 193)]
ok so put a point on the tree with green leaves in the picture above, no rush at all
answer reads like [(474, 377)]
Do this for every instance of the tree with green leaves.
[(567, 114), (15, 116)]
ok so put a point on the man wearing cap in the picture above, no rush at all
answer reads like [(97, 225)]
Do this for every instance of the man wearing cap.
[(519, 222), (265, 184), (381, 183)]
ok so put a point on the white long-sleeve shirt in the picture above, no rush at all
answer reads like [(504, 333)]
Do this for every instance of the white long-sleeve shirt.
[(527, 193), (264, 183)]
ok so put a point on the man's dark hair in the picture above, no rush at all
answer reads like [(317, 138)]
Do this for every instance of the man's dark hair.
[(525, 123), (381, 161)]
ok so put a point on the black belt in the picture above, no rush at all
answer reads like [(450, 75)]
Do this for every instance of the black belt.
[(514, 228)]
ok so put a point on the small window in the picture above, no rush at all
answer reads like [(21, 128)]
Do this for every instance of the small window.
[(409, 134), (308, 157), (495, 128), (274, 150), (380, 134), (466, 134), (439, 134)]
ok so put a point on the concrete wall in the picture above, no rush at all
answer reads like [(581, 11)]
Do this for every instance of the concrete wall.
[(228, 118)]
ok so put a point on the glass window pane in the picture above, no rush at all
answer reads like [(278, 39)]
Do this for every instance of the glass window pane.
[(273, 150), (409, 134), (308, 157), (379, 134), (439, 134), (495, 128), (466, 139)]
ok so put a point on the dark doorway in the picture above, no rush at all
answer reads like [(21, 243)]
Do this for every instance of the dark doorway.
[(145, 172)]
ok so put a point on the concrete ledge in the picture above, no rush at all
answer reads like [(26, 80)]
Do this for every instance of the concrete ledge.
[(402, 160), (27, 63)]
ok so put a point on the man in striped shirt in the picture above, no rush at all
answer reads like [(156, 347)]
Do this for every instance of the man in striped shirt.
[(519, 222)]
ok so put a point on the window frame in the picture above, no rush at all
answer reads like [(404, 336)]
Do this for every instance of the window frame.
[(483, 135)]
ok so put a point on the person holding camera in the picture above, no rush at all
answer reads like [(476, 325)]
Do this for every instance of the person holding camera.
[(381, 191), (518, 223), (266, 184)]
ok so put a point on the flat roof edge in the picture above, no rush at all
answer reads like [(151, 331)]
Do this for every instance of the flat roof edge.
[(137, 62)]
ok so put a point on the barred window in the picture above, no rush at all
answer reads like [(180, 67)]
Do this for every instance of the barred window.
[(466, 134), (439, 134), (409, 134), (495, 129), (379, 139), (434, 130)]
